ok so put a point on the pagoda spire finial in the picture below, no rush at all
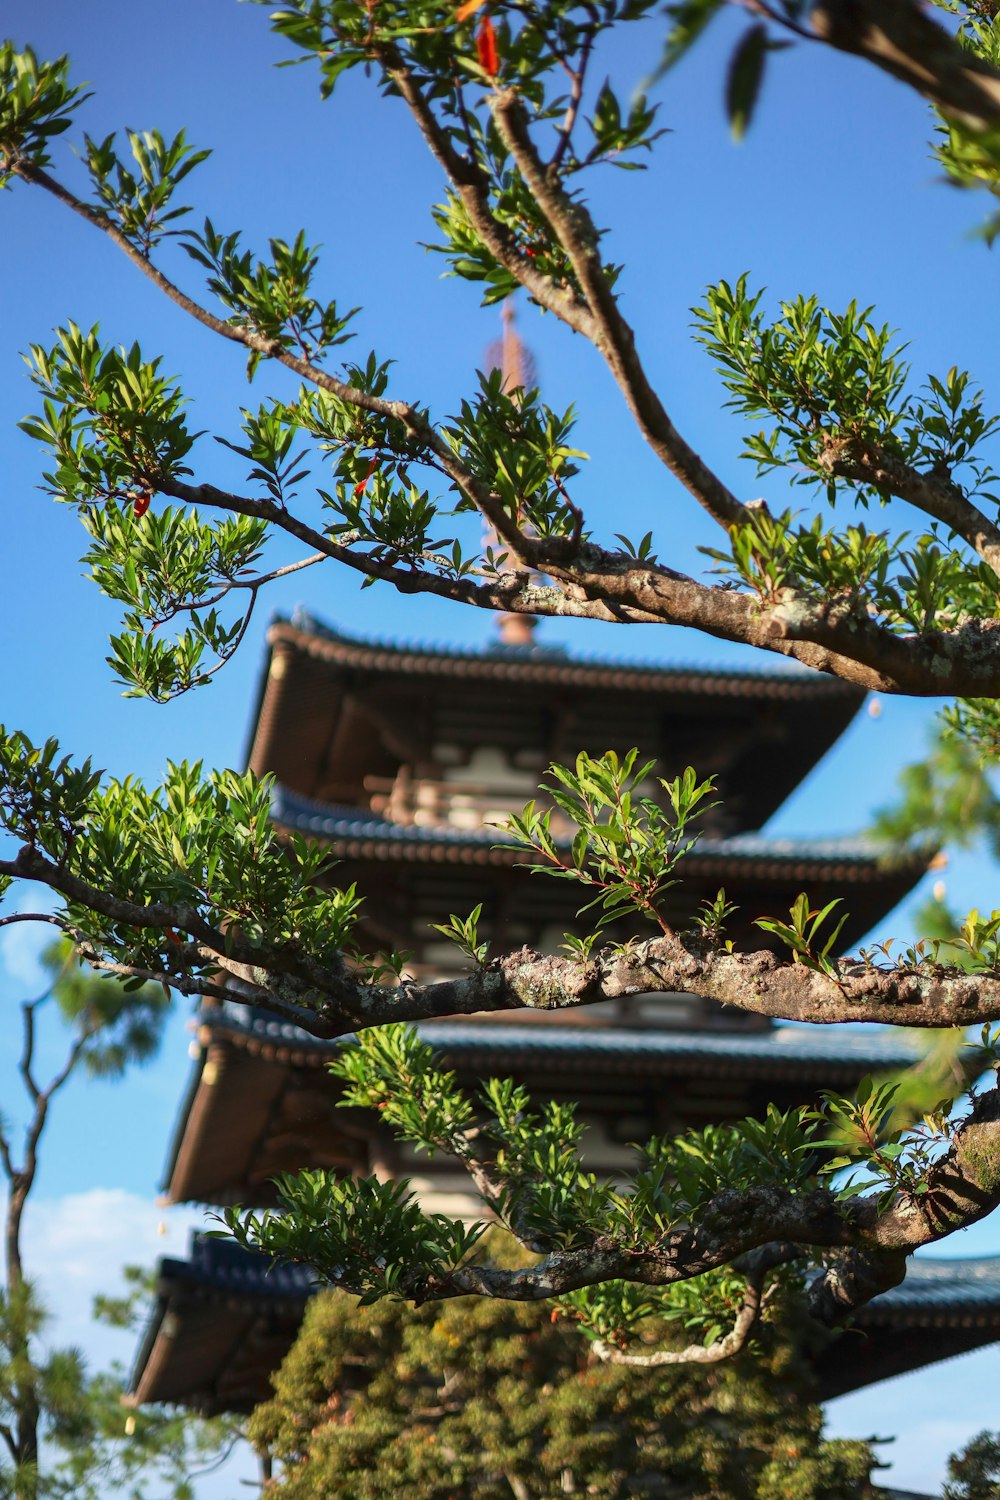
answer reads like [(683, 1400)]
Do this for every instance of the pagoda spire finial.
[(510, 356)]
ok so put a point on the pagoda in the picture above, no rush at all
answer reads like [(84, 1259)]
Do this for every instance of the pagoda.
[(399, 759)]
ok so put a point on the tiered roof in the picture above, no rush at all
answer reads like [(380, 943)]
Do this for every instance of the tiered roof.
[(761, 876)]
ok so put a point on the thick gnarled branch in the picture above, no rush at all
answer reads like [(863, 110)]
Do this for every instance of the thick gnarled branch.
[(760, 1265), (759, 983), (330, 1002), (596, 584)]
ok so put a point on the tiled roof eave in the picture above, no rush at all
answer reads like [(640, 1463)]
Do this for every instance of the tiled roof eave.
[(920, 1315), (499, 1045), (354, 834), (284, 1289), (434, 851), (554, 668)]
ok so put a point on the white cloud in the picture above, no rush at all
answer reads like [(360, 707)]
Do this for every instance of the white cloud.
[(76, 1246)]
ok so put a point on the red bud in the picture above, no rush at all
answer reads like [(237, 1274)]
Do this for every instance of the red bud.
[(362, 484), (486, 46)]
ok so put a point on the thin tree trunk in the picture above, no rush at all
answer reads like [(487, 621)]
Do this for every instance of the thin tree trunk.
[(25, 1399)]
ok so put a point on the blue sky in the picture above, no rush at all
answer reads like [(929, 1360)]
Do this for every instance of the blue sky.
[(833, 192)]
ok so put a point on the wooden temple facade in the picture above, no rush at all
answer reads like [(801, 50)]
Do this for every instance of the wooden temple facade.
[(399, 759)]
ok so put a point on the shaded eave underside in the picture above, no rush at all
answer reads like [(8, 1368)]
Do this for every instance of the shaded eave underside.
[(310, 671)]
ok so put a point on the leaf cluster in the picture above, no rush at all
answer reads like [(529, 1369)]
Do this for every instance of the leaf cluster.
[(615, 1311), (833, 387), (203, 844), (436, 41), (464, 933), (871, 1157), (626, 844), (117, 1025), (435, 46), (813, 373), (44, 799), (369, 1236), (922, 587), (270, 433), (970, 156), (273, 299), (391, 1070), (947, 797), (528, 1166), (138, 198), (114, 424), (521, 450), (37, 104), (375, 503), (93, 1445), (169, 563), (801, 933)]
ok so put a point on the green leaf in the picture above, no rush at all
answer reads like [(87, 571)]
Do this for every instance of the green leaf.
[(689, 19), (746, 72)]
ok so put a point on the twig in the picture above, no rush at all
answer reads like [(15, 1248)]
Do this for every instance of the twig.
[(578, 76)]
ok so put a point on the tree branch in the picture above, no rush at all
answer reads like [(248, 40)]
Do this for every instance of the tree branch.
[(411, 419), (577, 76), (28, 1050), (592, 583), (310, 983), (865, 1246), (240, 993), (937, 496), (758, 983), (473, 188), (719, 1349), (8, 1437), (6, 1156), (407, 579), (611, 335), (329, 1002), (901, 39), (602, 585), (36, 916)]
